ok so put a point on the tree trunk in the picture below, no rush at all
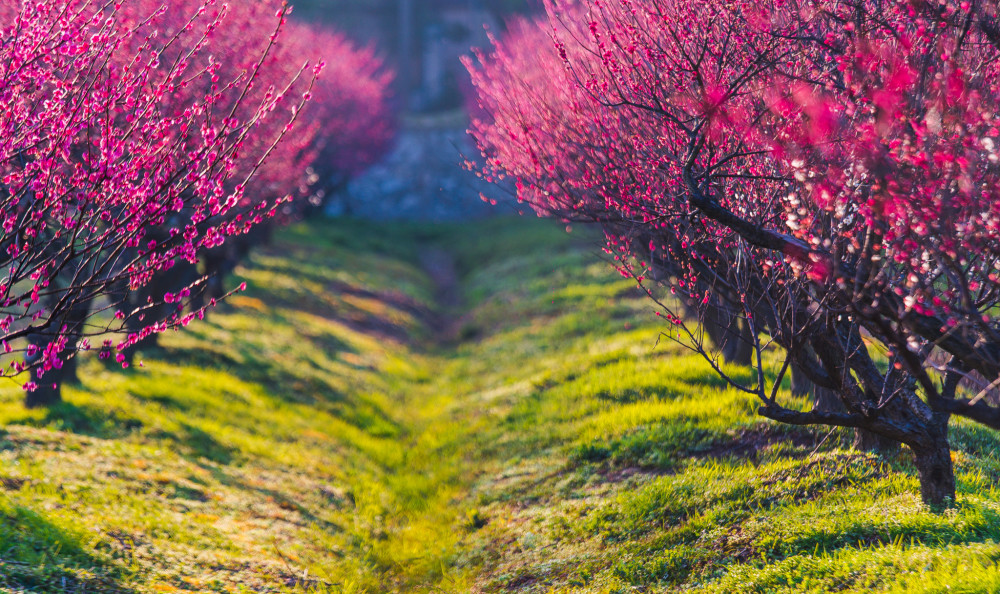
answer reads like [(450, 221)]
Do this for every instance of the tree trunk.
[(48, 393), (742, 352), (937, 476), (49, 387), (868, 441), (826, 399), (801, 386), (727, 334), (134, 323), (49, 390)]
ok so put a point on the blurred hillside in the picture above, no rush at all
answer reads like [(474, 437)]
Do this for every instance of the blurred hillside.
[(423, 177)]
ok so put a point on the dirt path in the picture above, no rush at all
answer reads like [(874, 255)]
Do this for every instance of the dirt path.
[(440, 267)]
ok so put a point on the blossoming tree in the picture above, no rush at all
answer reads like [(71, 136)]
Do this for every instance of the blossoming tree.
[(827, 171), (344, 127), (121, 153)]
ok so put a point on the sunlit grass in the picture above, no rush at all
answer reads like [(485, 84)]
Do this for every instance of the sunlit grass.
[(325, 431)]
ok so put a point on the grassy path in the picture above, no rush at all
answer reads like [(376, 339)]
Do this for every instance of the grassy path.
[(439, 409)]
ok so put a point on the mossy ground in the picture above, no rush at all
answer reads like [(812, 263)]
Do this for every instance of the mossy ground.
[(333, 429)]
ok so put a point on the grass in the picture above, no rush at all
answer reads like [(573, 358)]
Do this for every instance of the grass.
[(333, 429)]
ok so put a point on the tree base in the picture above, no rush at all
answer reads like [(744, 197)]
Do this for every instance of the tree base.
[(937, 475), (44, 396), (867, 441)]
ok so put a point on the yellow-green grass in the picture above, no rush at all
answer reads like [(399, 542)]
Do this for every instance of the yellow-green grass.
[(335, 429)]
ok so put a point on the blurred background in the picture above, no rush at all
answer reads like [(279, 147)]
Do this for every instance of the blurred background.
[(422, 177)]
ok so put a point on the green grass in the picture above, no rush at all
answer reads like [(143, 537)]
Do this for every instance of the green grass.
[(333, 429)]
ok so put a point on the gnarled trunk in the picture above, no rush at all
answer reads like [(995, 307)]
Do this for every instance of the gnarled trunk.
[(936, 473), (49, 383), (741, 349), (801, 386), (147, 308), (826, 399), (868, 441)]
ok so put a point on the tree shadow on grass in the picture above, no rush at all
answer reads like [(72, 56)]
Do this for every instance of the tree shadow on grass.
[(202, 444), (191, 441), (40, 556), (83, 420), (251, 366), (195, 444)]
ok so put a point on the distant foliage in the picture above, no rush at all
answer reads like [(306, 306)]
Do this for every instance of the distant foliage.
[(137, 136), (353, 116), (826, 170)]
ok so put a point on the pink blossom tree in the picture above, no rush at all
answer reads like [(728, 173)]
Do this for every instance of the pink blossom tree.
[(271, 166), (344, 127), (221, 85), (121, 153), (826, 170)]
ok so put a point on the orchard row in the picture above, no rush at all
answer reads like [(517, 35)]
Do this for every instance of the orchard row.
[(816, 176), (144, 146)]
